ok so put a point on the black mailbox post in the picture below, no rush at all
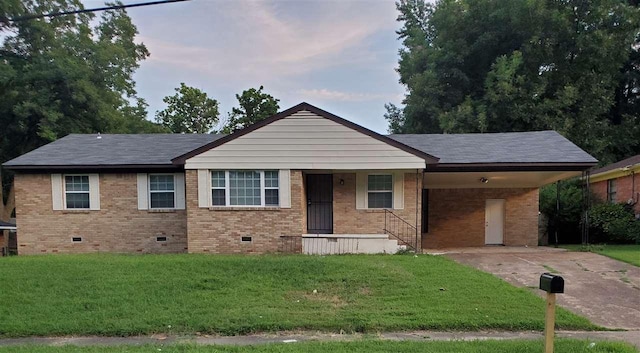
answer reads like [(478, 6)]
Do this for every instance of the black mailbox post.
[(551, 284)]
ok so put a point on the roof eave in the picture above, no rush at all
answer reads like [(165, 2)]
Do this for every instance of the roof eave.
[(513, 167), (23, 167)]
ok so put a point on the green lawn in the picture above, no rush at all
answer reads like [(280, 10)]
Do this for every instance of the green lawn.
[(144, 294), (626, 253), (370, 346)]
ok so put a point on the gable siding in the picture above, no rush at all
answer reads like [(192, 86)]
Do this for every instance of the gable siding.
[(305, 141)]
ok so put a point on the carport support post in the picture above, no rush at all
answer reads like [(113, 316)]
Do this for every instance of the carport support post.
[(550, 322)]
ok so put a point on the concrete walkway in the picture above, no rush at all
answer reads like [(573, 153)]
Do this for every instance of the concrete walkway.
[(632, 337), (604, 290)]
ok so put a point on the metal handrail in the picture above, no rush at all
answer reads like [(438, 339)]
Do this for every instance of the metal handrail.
[(391, 221)]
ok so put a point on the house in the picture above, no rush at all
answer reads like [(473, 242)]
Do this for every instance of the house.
[(618, 182), (6, 230), (303, 180)]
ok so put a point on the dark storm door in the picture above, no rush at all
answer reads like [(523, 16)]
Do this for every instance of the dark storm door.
[(319, 203)]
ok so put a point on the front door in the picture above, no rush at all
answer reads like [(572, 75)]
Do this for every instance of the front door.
[(319, 203), (494, 222)]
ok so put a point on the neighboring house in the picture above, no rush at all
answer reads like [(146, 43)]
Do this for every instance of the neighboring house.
[(6, 228), (618, 182), (303, 180)]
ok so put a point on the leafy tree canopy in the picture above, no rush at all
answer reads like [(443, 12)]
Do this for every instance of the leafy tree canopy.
[(66, 74), (254, 106), (497, 66), (190, 110)]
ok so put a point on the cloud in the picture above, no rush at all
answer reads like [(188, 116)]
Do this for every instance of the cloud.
[(330, 95), (260, 40)]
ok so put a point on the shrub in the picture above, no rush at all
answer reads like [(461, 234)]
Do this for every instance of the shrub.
[(567, 222), (613, 222)]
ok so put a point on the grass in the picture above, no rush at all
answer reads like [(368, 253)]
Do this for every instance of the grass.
[(367, 346), (625, 253), (121, 295)]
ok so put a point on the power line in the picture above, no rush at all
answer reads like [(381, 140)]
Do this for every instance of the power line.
[(115, 7)]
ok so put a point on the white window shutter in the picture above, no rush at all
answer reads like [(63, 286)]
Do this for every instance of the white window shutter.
[(398, 190), (56, 192), (361, 191), (94, 192), (204, 190), (179, 187), (143, 191), (284, 187)]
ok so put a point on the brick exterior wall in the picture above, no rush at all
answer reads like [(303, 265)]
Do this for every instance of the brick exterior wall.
[(457, 217), (117, 227), (349, 220), (624, 190), (219, 230)]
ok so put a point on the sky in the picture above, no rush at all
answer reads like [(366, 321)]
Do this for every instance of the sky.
[(340, 56)]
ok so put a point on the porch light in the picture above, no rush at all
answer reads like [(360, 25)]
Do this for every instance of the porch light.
[(341, 181), (484, 180)]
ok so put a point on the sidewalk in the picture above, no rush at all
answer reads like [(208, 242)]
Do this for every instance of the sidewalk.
[(632, 337)]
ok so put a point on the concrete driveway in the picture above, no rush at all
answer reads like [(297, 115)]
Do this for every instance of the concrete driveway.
[(604, 290)]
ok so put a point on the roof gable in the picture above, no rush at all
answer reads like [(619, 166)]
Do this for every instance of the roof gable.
[(319, 125), (306, 138)]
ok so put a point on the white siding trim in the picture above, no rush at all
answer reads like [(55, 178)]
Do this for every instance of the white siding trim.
[(56, 192), (204, 190), (143, 191), (398, 190), (94, 192), (361, 191), (284, 187), (180, 191), (305, 141)]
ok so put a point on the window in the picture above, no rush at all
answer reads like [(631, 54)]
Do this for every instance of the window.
[(218, 187), (76, 191), (380, 191), (611, 190), (271, 188), (244, 188), (162, 191)]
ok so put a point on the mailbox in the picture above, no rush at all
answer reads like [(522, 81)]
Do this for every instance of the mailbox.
[(551, 283)]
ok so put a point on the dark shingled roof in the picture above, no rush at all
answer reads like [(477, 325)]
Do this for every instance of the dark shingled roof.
[(621, 164), (512, 147), (113, 150), (157, 150)]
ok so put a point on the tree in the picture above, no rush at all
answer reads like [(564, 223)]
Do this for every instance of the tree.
[(498, 66), (65, 75), (190, 110), (254, 106)]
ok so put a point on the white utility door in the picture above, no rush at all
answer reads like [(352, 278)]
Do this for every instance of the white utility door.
[(494, 222)]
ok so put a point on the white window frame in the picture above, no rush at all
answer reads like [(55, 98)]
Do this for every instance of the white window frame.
[(149, 191), (225, 188), (64, 191), (227, 193), (379, 191)]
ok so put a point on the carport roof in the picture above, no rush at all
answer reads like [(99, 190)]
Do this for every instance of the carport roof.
[(537, 147)]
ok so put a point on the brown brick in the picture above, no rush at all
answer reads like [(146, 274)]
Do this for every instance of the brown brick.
[(626, 188), (218, 230), (117, 227), (457, 217)]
